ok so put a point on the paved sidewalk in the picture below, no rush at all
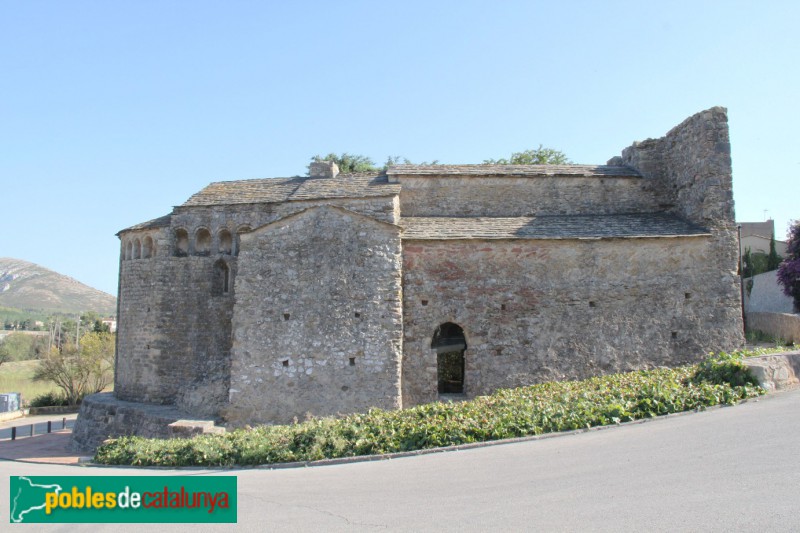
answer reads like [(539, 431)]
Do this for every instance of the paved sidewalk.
[(53, 448)]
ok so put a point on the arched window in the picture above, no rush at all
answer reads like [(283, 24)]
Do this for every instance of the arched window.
[(202, 242), (147, 247), (137, 249), (450, 344), (221, 284), (225, 242), (237, 244), (128, 250), (181, 243)]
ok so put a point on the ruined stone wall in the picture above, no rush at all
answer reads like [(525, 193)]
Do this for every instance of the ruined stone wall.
[(318, 318), (691, 167), (539, 310), (508, 196)]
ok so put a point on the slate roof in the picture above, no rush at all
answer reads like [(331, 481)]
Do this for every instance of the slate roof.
[(581, 171), (549, 227), (160, 222), (287, 189)]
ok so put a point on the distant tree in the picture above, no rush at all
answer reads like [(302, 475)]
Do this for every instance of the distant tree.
[(393, 160), (535, 156), (759, 263), (79, 371), (99, 327), (89, 317), (773, 259), (98, 350), (789, 269), (348, 163), (747, 263), (22, 347)]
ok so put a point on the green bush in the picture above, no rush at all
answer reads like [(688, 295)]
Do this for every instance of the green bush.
[(508, 413), (49, 399), (725, 369)]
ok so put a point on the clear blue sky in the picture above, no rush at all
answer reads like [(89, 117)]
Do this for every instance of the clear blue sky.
[(113, 112)]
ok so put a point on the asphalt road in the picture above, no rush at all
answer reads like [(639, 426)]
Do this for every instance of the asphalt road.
[(728, 469)]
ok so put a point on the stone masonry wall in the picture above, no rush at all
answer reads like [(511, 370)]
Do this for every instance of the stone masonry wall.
[(174, 333), (103, 416), (529, 196), (174, 336), (318, 318), (538, 310), (692, 170)]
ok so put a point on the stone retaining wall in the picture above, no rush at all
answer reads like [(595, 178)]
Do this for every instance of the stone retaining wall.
[(777, 371), (784, 326), (54, 410), (102, 416)]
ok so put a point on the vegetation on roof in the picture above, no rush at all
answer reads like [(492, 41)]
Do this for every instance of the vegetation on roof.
[(356, 163)]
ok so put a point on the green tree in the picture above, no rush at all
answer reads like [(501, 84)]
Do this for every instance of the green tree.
[(747, 263), (98, 350), (22, 347), (348, 163), (535, 156), (80, 371), (351, 163), (773, 259), (393, 160)]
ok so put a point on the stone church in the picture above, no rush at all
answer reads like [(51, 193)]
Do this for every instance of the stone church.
[(260, 301)]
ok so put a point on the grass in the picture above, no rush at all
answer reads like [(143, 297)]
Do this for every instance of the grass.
[(757, 336), (508, 413), (17, 376)]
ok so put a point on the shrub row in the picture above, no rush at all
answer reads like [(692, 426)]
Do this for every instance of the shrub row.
[(50, 399), (533, 410)]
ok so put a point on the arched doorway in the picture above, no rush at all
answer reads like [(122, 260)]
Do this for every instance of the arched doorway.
[(450, 344)]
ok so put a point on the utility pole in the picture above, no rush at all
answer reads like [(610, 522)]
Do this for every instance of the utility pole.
[(52, 329)]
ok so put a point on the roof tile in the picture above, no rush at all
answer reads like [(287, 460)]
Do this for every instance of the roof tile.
[(549, 227), (288, 189), (514, 170)]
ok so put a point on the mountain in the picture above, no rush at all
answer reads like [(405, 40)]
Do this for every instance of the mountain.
[(25, 285)]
